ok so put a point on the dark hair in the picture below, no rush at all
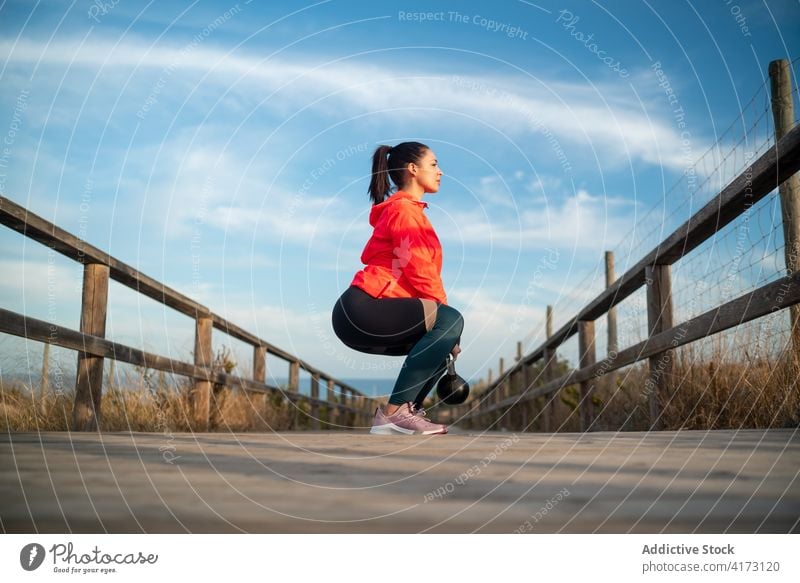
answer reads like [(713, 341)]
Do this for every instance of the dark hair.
[(392, 167)]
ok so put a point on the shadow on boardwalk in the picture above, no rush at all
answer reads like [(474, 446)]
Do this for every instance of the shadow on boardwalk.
[(688, 481)]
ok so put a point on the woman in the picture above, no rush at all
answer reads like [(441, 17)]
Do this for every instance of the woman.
[(396, 305)]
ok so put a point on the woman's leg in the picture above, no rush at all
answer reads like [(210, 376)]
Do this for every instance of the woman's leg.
[(427, 357), (428, 387), (430, 319)]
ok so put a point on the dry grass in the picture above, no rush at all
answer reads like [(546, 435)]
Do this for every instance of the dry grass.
[(712, 393), (715, 392), (132, 409), (148, 403)]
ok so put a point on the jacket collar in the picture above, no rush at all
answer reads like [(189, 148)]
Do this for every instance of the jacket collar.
[(405, 195)]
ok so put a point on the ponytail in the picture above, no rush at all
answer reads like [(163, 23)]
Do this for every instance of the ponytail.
[(388, 162), (379, 185)]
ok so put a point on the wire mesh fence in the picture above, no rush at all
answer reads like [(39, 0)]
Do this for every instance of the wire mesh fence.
[(739, 377)]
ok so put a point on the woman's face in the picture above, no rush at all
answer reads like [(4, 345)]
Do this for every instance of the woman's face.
[(428, 173)]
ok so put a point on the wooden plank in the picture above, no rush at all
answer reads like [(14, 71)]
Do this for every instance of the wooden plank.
[(586, 349), (769, 298), (35, 227), (33, 329), (86, 414), (643, 482), (41, 331)]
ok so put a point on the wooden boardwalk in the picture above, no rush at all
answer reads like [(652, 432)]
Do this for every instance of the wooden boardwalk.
[(688, 481)]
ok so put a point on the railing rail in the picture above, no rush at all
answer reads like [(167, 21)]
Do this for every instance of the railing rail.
[(774, 168), (92, 347)]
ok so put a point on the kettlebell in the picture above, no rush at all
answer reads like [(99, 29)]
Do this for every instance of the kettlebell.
[(451, 388)]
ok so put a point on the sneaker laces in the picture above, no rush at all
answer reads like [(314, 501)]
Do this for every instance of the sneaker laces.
[(420, 412)]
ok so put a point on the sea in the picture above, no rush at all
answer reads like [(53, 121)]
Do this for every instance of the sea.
[(371, 387)]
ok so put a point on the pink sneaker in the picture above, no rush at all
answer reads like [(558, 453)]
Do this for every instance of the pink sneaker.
[(404, 421)]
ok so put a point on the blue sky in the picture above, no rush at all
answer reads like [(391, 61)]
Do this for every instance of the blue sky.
[(224, 148)]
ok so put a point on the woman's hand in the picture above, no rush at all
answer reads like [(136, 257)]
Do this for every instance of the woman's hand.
[(455, 352)]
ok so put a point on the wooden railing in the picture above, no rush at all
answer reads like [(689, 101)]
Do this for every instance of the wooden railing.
[(345, 406), (777, 167)]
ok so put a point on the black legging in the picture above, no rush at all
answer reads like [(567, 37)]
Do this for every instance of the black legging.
[(396, 327)]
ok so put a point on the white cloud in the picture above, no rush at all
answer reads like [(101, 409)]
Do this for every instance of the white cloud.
[(582, 221), (602, 118), (492, 190)]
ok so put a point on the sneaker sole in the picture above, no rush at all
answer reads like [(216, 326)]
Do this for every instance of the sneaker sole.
[(391, 429)]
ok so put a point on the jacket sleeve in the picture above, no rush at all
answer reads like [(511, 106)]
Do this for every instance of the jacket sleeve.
[(415, 249)]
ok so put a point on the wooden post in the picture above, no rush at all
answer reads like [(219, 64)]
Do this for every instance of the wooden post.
[(345, 414), (611, 319), (526, 380), (501, 387), (260, 364), (293, 386), (550, 360), (260, 376), (314, 404), (508, 412), (362, 405), (586, 348), (89, 382), (44, 387), (548, 412), (201, 395), (333, 410), (783, 114), (518, 390), (659, 318), (355, 403), (294, 376)]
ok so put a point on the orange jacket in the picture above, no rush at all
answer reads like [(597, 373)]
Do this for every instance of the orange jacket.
[(403, 257)]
